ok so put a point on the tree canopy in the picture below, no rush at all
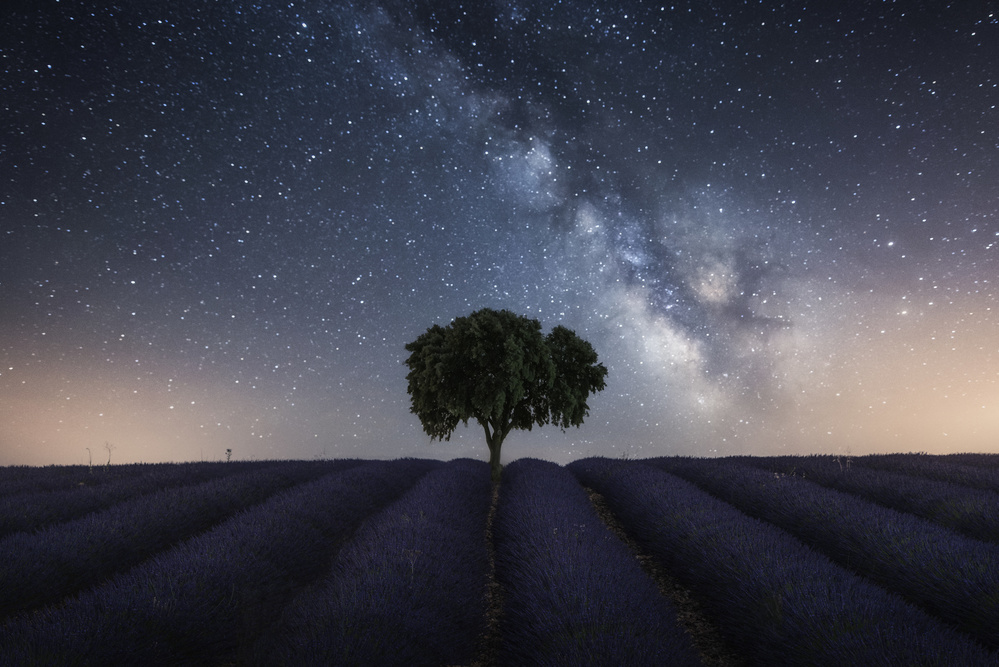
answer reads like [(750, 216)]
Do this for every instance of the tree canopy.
[(496, 367)]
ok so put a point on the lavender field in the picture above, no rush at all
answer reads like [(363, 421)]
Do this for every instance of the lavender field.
[(876, 560)]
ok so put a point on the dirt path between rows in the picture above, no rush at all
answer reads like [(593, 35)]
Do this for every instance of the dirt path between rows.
[(490, 640), (713, 650)]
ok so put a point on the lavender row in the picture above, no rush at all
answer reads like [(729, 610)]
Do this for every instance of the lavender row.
[(975, 460), (34, 479), (208, 598), (31, 510), (408, 589), (776, 600), (973, 512), (574, 594), (951, 576), (42, 567), (22, 479), (933, 467)]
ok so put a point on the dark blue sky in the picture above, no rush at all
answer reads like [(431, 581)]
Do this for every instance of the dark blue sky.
[(221, 222)]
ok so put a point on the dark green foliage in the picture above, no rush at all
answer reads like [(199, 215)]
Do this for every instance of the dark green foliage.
[(496, 367)]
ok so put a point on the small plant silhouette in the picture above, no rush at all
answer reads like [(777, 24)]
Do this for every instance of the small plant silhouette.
[(412, 555), (844, 462)]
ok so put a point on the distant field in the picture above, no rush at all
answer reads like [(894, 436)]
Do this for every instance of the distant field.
[(890, 560)]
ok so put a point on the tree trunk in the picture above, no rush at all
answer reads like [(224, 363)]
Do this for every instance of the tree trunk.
[(495, 440)]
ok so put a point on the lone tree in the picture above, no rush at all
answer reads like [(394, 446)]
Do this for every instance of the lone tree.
[(497, 367)]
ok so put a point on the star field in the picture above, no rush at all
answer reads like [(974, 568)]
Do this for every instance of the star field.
[(777, 223)]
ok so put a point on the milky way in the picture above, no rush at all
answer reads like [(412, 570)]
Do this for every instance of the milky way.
[(221, 222)]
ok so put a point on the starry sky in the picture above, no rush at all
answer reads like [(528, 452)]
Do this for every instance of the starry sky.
[(220, 222)]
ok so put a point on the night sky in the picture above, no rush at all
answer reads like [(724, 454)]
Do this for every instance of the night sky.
[(777, 223)]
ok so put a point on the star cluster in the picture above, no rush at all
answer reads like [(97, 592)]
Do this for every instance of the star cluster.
[(777, 223)]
